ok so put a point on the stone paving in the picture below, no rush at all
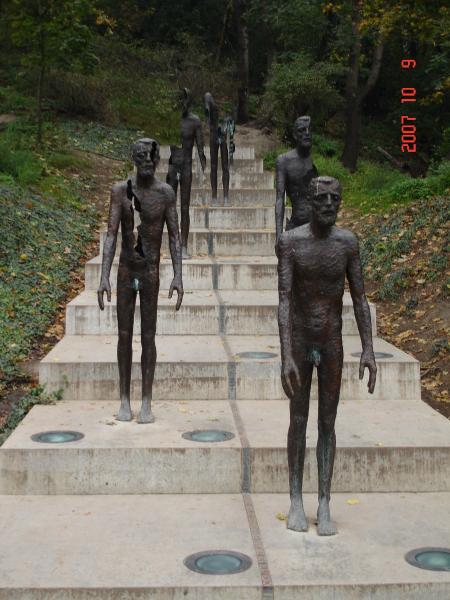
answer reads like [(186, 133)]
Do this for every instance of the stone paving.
[(114, 514)]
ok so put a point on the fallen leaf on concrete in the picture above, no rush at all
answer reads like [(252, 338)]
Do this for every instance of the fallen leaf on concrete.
[(353, 501), (281, 516)]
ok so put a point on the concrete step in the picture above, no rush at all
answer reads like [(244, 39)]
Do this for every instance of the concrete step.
[(213, 367), (133, 547), (241, 152), (238, 179), (201, 195), (204, 273), (379, 449), (219, 242), (202, 313), (234, 217), (241, 165)]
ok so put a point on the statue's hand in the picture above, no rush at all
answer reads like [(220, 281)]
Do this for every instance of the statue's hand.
[(290, 378), (103, 287), (177, 285), (368, 360)]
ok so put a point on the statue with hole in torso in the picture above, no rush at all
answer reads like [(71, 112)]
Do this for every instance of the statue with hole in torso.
[(139, 267), (313, 261)]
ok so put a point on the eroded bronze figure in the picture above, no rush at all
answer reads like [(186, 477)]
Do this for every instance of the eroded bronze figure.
[(217, 141), (293, 172), (139, 266), (191, 132), (314, 260)]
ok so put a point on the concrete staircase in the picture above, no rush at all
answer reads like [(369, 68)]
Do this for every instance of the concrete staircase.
[(113, 515)]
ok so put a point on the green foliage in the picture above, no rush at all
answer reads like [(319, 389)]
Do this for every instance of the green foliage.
[(43, 239), (389, 237), (35, 396), (297, 86), (113, 142), (17, 160)]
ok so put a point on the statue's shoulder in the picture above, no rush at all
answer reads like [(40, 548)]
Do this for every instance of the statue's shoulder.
[(119, 187), (284, 159), (346, 236), (289, 240), (165, 189)]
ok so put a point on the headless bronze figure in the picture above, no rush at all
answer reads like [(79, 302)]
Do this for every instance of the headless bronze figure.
[(217, 140), (139, 267), (191, 131), (314, 260), (293, 172)]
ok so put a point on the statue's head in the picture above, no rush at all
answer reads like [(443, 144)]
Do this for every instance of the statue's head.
[(146, 156), (185, 100), (324, 195), (302, 132), (209, 104)]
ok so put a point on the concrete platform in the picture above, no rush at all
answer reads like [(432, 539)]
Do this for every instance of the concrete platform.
[(241, 152), (219, 242), (244, 196), (204, 273), (211, 367), (130, 547), (379, 448), (202, 313)]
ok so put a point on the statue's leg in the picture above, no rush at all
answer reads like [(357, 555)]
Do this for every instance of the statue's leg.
[(299, 409), (172, 179), (225, 171), (214, 160), (148, 295), (186, 182), (329, 374), (126, 301)]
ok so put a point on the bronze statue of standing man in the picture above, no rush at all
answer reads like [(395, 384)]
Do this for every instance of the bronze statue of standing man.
[(217, 141), (191, 131), (293, 172), (314, 260), (139, 267)]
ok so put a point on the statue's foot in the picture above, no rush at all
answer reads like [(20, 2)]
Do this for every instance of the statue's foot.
[(325, 526), (124, 413), (145, 415), (184, 253), (297, 518), (225, 199)]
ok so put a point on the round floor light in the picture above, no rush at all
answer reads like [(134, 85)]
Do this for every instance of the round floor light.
[(208, 435), (57, 437), (257, 355), (218, 562), (376, 354), (432, 559)]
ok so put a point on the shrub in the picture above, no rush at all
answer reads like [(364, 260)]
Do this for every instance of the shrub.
[(79, 95), (297, 86)]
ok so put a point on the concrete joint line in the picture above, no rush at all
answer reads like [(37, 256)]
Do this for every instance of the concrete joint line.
[(210, 243), (222, 311), (266, 577), (231, 380), (206, 218), (215, 275), (246, 481)]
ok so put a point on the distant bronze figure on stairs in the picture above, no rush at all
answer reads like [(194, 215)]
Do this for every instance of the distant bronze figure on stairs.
[(139, 267), (314, 260), (218, 133), (191, 131), (293, 172)]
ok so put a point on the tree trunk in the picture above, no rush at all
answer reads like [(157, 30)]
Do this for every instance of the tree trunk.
[(355, 97), (242, 32), (349, 156)]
